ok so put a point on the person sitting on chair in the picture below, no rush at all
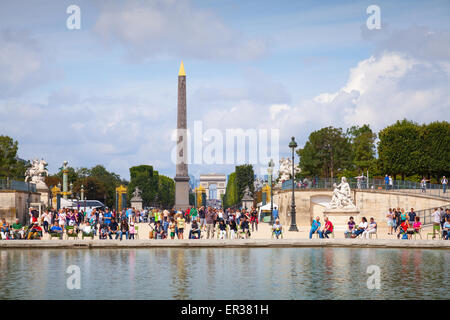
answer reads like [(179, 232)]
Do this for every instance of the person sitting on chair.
[(87, 230), (55, 228), (417, 225), (371, 229), (159, 230), (277, 228), (327, 229), (361, 227), (315, 227), (233, 227), (222, 229), (113, 229), (104, 231), (446, 231), (351, 228), (195, 229), (17, 230), (35, 232), (245, 226), (4, 230), (403, 230)]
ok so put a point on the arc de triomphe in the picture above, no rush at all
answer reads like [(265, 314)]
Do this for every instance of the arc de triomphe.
[(214, 178)]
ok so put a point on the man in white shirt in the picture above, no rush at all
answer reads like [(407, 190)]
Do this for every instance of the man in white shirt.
[(436, 216)]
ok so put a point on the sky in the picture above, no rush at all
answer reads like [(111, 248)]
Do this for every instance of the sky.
[(107, 93)]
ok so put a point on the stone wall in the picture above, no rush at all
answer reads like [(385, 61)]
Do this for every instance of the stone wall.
[(14, 204), (311, 203)]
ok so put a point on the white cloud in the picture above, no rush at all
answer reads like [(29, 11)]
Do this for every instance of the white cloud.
[(167, 28), (22, 64)]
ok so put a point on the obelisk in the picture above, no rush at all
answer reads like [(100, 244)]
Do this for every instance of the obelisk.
[(181, 177)]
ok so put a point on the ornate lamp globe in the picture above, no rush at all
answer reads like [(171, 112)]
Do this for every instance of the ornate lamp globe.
[(292, 144)]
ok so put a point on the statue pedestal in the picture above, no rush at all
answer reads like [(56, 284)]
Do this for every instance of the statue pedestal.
[(44, 191), (340, 217), (136, 203)]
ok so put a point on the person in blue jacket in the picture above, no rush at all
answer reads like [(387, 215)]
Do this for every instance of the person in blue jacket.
[(315, 227)]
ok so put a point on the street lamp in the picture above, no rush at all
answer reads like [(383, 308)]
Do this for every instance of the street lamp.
[(270, 171), (293, 227)]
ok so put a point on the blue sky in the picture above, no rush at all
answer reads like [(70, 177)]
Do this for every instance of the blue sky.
[(106, 94)]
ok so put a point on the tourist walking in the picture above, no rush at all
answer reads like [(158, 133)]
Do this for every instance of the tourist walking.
[(444, 183), (180, 225), (254, 219), (436, 217), (390, 221), (386, 182), (423, 184), (210, 217)]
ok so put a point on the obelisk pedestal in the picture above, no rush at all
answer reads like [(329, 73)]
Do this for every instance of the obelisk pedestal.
[(181, 177)]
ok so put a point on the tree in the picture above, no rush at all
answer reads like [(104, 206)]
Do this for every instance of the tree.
[(434, 150), (53, 180), (166, 191), (399, 148), (327, 152), (231, 194), (10, 165), (146, 179), (110, 180), (362, 140), (245, 177), (94, 188)]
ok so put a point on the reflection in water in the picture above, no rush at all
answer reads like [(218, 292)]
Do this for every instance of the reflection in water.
[(247, 273)]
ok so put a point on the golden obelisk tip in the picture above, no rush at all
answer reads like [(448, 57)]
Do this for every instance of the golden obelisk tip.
[(181, 72)]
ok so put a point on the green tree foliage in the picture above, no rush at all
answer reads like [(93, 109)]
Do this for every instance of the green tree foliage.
[(231, 194), (72, 174), (146, 179), (410, 149), (435, 150), (326, 153), (110, 180), (399, 148), (166, 192), (10, 165), (94, 188), (362, 140), (245, 177)]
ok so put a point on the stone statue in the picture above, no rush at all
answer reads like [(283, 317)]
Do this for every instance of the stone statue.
[(285, 171), (247, 192), (137, 193), (37, 172), (341, 196), (258, 184)]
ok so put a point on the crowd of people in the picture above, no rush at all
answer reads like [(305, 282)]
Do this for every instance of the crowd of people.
[(205, 222), (104, 224)]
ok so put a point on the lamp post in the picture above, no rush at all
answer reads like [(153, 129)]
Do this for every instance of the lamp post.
[(270, 171), (293, 226), (82, 193)]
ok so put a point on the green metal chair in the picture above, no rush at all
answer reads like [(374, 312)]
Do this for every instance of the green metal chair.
[(55, 235), (73, 234), (136, 235)]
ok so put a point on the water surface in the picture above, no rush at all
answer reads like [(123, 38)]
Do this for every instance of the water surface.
[(229, 273)]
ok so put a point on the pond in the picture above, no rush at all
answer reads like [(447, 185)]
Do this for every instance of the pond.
[(228, 273)]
